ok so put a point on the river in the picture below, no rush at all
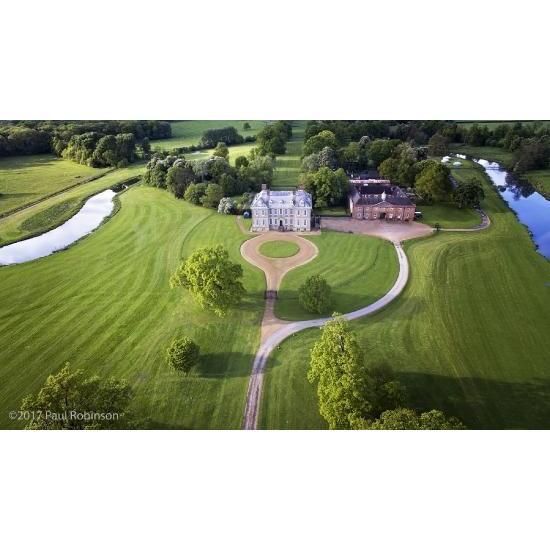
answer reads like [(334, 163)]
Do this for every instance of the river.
[(90, 216), (532, 209)]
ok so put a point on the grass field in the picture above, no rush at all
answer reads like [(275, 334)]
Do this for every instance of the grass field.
[(287, 166), (26, 179), (189, 132), (53, 211), (105, 305), (492, 124), (469, 335), (448, 216), (359, 270), (335, 211), (279, 249)]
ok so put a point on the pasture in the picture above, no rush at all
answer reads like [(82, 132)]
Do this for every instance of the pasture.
[(189, 132), (358, 268), (448, 215), (27, 179), (105, 305), (469, 335), (53, 211)]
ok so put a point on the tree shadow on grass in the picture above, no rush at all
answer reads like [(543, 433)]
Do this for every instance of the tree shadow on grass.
[(224, 365), (482, 403)]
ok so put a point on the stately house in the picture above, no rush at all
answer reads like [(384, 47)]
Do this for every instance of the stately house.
[(281, 210), (378, 199)]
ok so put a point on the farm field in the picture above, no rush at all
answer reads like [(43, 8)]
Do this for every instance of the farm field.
[(53, 211), (106, 304), (26, 179), (189, 132), (469, 335), (492, 124), (359, 269)]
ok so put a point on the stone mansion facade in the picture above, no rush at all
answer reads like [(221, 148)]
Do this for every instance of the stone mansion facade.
[(378, 199), (281, 210)]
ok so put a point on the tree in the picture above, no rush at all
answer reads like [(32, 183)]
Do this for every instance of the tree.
[(241, 161), (315, 295), (71, 401), (317, 143), (384, 391), (273, 137), (438, 145), (213, 195), (212, 278), (311, 163), (221, 150), (226, 206), (337, 366), (146, 147), (246, 126), (468, 194), (195, 192), (182, 354), (326, 187), (407, 419), (179, 176), (381, 149), (327, 157), (434, 183)]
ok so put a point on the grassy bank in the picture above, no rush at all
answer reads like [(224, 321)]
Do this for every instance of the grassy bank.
[(105, 305), (26, 179), (469, 335), (539, 179), (53, 211), (287, 166), (358, 268)]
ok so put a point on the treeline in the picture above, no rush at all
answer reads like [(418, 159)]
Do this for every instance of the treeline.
[(96, 150), (213, 136), (328, 161), (205, 182), (38, 137)]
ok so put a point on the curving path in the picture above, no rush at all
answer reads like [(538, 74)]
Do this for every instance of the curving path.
[(282, 331)]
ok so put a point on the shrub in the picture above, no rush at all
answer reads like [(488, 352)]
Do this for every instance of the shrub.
[(315, 295), (182, 354)]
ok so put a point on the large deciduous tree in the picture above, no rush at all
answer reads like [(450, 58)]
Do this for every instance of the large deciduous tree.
[(326, 186), (438, 145), (408, 419), (318, 142), (468, 194), (337, 365), (182, 354), (434, 183), (212, 278), (315, 295), (70, 400)]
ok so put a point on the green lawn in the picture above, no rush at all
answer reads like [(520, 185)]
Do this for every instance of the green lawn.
[(189, 132), (469, 335), (448, 216), (540, 179), (105, 305), (279, 249), (24, 180), (359, 269), (53, 211), (287, 166), (335, 211)]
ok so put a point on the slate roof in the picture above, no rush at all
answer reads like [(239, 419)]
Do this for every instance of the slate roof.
[(281, 199), (372, 194)]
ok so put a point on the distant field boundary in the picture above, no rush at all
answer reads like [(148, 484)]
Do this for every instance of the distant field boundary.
[(61, 191)]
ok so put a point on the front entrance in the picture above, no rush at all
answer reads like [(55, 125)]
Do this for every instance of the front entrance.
[(281, 228), (382, 215)]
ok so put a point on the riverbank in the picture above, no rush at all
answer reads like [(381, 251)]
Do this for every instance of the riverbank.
[(539, 179)]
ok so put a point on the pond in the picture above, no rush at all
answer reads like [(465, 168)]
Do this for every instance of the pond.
[(532, 209), (88, 218)]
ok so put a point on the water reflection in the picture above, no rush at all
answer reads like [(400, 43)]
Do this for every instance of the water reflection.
[(85, 221), (532, 209)]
